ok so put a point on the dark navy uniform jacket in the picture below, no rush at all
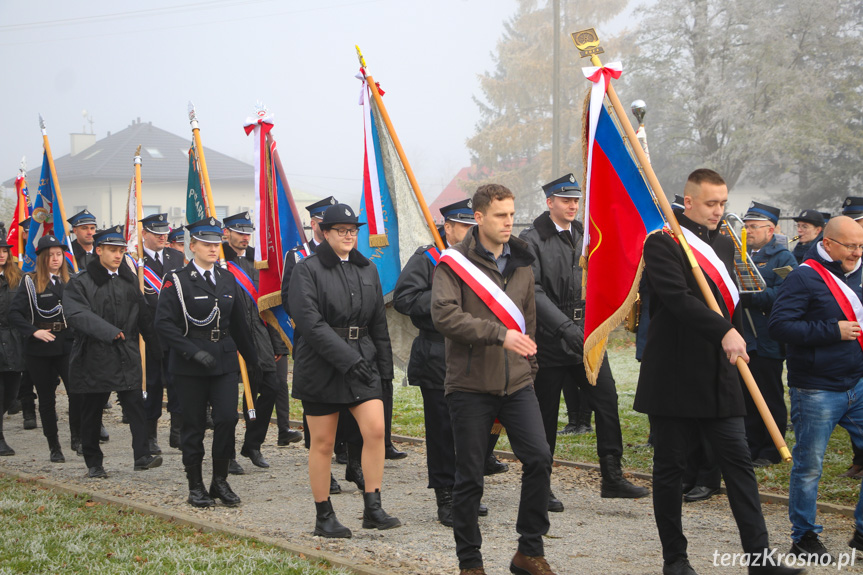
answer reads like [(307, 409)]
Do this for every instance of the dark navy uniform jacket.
[(221, 337)]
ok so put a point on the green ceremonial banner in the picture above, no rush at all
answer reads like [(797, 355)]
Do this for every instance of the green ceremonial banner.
[(195, 208)]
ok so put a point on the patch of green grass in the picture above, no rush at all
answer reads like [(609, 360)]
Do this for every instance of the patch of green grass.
[(45, 532), (635, 428)]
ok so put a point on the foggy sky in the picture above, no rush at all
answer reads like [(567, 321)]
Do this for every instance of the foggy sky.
[(121, 60)]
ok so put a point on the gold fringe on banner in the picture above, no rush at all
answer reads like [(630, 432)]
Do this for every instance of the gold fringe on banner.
[(262, 265), (497, 428), (378, 241)]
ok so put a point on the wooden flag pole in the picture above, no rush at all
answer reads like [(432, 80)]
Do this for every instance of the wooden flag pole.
[(211, 210), (22, 214), (588, 44), (140, 248), (58, 197), (414, 184)]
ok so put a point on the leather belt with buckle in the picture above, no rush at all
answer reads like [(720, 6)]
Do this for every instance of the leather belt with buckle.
[(56, 326), (353, 332), (214, 335)]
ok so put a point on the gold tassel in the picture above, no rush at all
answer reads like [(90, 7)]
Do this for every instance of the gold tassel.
[(378, 241), (497, 428)]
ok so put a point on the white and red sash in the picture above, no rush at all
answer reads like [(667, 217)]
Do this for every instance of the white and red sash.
[(714, 268), (491, 295), (845, 296)]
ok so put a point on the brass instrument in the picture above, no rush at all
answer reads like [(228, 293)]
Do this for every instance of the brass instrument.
[(749, 279)]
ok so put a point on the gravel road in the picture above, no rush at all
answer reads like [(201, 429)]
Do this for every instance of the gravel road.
[(593, 535)]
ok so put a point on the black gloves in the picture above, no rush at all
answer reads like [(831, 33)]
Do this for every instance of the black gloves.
[(361, 371), (205, 359), (746, 299), (573, 335)]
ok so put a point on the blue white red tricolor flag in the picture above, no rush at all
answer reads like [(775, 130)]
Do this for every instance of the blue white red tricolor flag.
[(43, 217), (620, 212), (276, 229)]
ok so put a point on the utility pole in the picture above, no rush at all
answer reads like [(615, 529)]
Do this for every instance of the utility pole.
[(555, 94)]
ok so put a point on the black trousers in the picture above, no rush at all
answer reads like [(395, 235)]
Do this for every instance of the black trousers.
[(768, 375), (264, 395), (440, 446), (159, 382), (602, 399), (221, 392), (472, 415), (9, 381), (283, 395), (26, 393), (728, 438), (44, 371), (702, 467), (92, 405)]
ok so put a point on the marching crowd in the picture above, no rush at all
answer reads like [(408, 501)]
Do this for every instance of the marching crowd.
[(501, 333)]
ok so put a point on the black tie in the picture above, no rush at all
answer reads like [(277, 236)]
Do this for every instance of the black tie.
[(208, 276), (157, 257)]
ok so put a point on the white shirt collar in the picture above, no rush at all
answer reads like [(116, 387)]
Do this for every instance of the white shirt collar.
[(202, 270), (152, 254), (560, 229)]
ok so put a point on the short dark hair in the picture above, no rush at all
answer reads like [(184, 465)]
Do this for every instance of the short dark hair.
[(702, 175), (487, 193)]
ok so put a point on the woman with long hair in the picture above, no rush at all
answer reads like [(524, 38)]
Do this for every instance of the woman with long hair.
[(342, 359), (37, 313), (11, 364)]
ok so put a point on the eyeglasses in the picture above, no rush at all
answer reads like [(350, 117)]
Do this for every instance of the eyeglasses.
[(346, 231), (852, 247), (753, 227)]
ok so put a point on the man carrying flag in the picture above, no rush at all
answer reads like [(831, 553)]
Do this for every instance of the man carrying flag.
[(159, 261), (483, 303), (84, 227), (241, 262), (555, 240), (688, 382)]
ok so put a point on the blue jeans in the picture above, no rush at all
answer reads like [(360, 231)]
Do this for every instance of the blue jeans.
[(815, 414)]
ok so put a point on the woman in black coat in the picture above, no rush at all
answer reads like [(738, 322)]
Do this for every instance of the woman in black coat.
[(200, 318), (342, 355), (11, 363), (37, 313)]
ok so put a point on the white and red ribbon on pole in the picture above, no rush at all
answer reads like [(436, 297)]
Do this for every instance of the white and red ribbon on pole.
[(260, 125), (601, 77), (714, 268), (371, 183), (132, 221), (500, 304)]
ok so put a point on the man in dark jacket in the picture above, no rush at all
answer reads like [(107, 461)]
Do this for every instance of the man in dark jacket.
[(268, 342), (818, 314), (490, 365), (427, 366), (105, 306), (810, 231), (688, 382), (83, 226), (161, 260), (766, 355), (555, 240)]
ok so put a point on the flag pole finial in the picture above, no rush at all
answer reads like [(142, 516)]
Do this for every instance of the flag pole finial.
[(260, 109), (360, 56), (193, 116), (639, 110), (42, 125), (138, 156), (587, 42), (22, 167)]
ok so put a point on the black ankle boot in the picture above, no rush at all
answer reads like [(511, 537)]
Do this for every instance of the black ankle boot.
[(29, 412), (219, 488), (198, 496), (5, 450), (326, 524), (56, 452), (373, 516), (176, 426), (614, 485), (152, 435), (354, 468), (444, 505)]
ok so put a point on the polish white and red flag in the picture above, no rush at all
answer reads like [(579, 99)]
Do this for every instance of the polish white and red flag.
[(714, 268)]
